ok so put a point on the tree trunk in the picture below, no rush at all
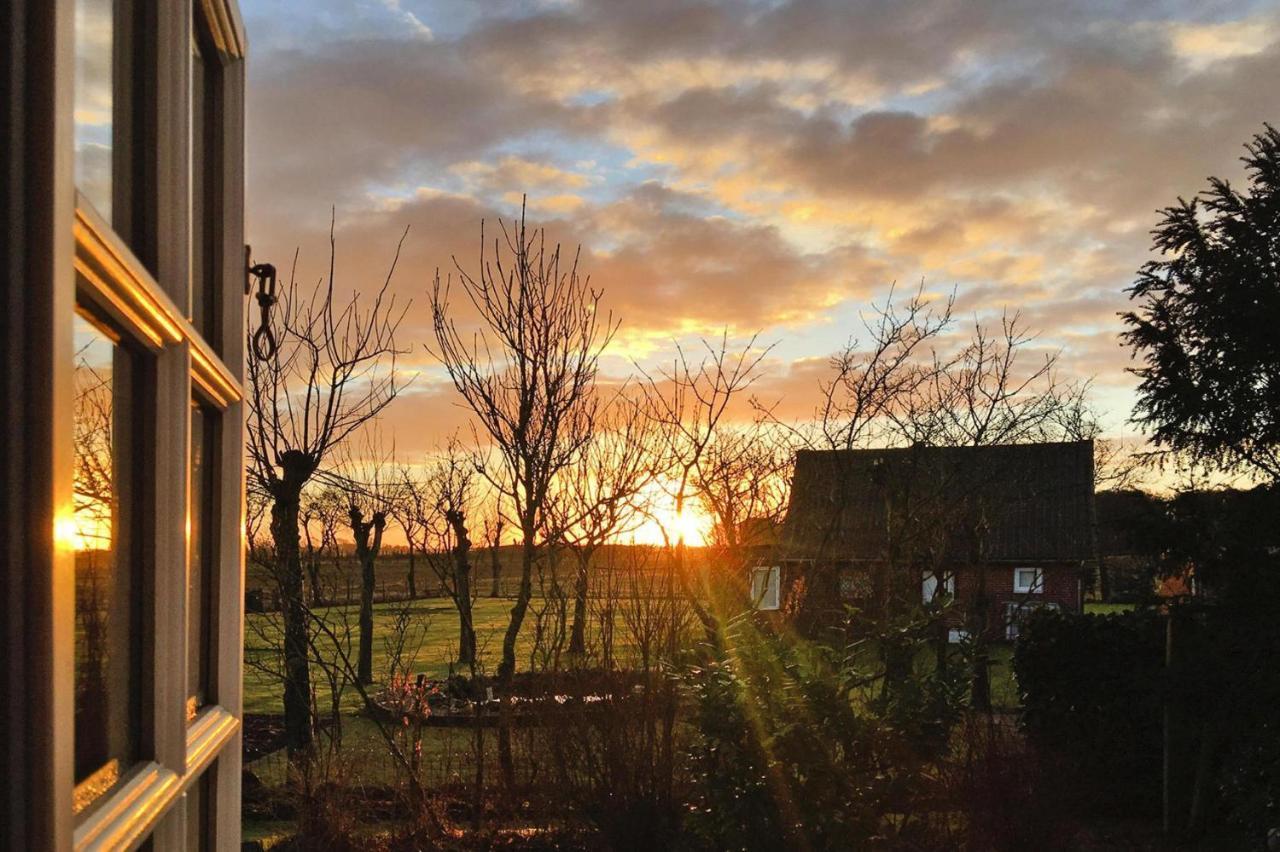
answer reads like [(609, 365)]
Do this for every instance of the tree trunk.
[(507, 668), (313, 577), (462, 587), (495, 569), (367, 548), (578, 633), (413, 575), (364, 668), (297, 681)]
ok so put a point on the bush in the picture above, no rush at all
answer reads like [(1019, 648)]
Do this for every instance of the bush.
[(797, 748), (1091, 688)]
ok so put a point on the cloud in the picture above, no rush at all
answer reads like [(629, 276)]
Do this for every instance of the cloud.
[(761, 165)]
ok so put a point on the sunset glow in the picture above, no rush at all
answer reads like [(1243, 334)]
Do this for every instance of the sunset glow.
[(769, 170)]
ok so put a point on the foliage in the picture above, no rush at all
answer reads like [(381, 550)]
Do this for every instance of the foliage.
[(1205, 325), (1091, 698), (790, 752)]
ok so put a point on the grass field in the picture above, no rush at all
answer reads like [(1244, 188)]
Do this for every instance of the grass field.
[(435, 640), (1107, 608), (434, 636)]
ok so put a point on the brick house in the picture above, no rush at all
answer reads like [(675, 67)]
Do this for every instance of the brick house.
[(1012, 526)]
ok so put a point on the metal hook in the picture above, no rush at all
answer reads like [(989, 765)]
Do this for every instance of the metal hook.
[(264, 341)]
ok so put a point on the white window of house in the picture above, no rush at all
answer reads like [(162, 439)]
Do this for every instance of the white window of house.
[(929, 586), (765, 582), (1016, 613), (1028, 581)]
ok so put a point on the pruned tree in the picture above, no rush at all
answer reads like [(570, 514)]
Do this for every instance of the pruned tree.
[(369, 495), (492, 525), (404, 513), (323, 513), (528, 374), (440, 503), (333, 370)]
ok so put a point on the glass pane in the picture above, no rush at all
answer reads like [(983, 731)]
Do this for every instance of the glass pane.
[(108, 575), (204, 195), (93, 101), (201, 582), (200, 813)]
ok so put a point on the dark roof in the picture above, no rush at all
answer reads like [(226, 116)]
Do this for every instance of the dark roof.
[(1030, 502)]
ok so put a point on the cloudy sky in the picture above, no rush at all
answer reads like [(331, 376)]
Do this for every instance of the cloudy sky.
[(755, 166)]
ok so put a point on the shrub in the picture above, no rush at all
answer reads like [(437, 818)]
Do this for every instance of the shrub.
[(1091, 688), (794, 748)]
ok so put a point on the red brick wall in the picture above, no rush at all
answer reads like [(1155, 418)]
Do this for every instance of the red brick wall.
[(1060, 586)]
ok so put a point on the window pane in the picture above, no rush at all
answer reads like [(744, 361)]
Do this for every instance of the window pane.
[(204, 186), (94, 101), (202, 580), (200, 813), (108, 710)]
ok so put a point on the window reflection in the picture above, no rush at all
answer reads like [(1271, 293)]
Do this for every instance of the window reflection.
[(205, 168), (202, 579), (107, 577), (94, 45)]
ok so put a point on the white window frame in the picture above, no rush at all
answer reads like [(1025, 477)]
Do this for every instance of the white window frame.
[(1035, 587), (929, 585), (71, 257), (766, 583)]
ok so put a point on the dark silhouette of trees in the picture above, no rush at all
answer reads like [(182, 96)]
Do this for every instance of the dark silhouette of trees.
[(439, 505), (528, 374), (1205, 325), (333, 371), (598, 501), (369, 498), (688, 401)]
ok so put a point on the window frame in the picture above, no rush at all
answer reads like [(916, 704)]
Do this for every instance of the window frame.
[(772, 584), (928, 592), (135, 274), (1015, 611), (1035, 587)]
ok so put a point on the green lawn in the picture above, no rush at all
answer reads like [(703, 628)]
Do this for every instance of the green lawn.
[(1107, 608), (432, 645)]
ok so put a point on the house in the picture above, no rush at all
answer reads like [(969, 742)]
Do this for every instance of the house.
[(1001, 529)]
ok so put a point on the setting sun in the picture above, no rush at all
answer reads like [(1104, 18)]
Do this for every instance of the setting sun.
[(662, 524)]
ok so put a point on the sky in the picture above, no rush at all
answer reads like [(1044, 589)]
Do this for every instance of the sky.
[(754, 167)]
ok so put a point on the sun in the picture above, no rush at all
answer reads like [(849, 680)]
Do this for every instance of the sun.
[(662, 524)]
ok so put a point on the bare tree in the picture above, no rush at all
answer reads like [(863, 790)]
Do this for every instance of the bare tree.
[(323, 513), (988, 394), (403, 511), (439, 505), (333, 370), (369, 497), (743, 484), (528, 375), (688, 401), (874, 388), (493, 524), (597, 502)]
